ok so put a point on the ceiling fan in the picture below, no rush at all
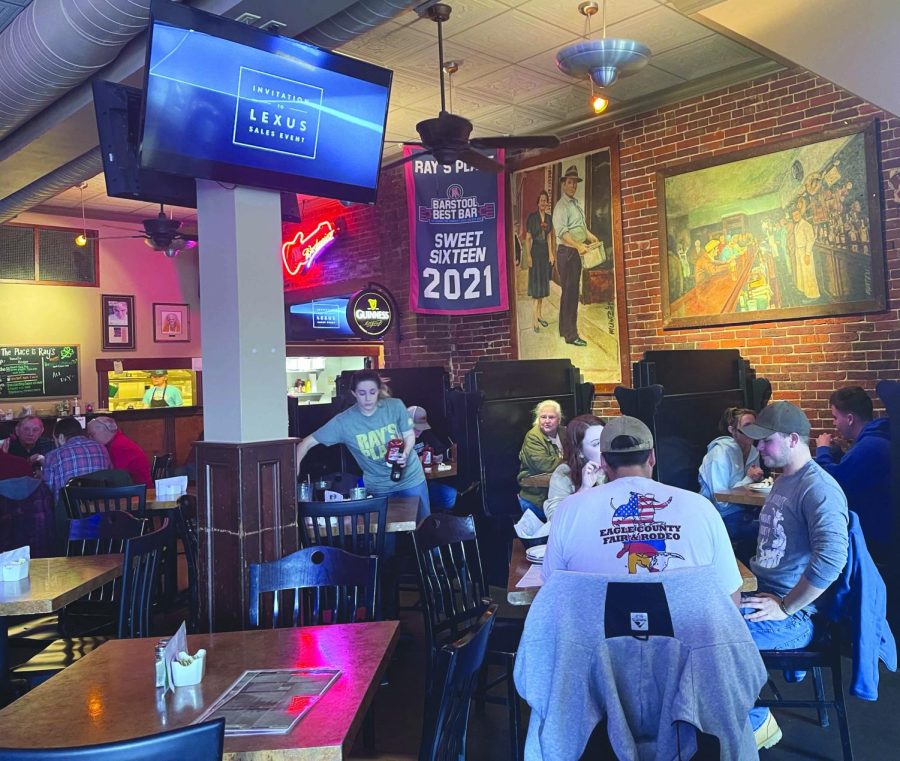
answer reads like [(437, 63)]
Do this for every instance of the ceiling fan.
[(161, 233), (446, 137)]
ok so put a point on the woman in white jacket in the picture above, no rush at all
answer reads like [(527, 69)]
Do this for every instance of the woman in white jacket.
[(732, 460), (581, 467)]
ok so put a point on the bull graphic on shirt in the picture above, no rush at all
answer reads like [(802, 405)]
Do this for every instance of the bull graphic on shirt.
[(644, 547)]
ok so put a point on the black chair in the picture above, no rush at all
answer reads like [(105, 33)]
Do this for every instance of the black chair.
[(823, 652), (161, 466), (454, 597), (83, 501), (356, 526), (102, 479), (329, 586), (456, 670), (186, 526), (198, 742), (140, 568)]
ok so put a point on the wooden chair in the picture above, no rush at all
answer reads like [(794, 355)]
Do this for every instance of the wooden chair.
[(161, 466), (454, 597), (81, 502), (456, 671), (186, 527), (356, 525), (329, 586), (199, 742), (139, 575)]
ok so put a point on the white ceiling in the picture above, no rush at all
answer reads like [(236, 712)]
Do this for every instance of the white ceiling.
[(508, 82)]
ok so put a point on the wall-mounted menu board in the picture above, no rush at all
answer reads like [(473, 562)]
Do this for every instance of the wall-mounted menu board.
[(33, 371)]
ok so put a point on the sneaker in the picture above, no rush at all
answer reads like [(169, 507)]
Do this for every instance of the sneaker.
[(768, 734)]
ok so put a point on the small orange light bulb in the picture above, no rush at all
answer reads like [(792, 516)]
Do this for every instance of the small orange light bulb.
[(599, 103), (81, 240)]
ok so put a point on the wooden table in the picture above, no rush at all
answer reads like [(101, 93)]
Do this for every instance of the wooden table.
[(109, 694), (519, 565), (435, 473), (52, 584), (742, 495)]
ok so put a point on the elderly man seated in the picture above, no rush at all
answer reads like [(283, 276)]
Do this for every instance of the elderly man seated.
[(123, 452), (28, 441)]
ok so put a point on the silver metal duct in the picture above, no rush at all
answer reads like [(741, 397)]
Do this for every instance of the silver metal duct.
[(352, 22), (54, 45), (68, 175)]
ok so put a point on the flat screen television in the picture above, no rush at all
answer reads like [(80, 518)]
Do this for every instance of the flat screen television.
[(228, 102), (319, 320), (118, 111)]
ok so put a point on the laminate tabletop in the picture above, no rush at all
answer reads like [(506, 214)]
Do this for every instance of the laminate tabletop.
[(109, 695)]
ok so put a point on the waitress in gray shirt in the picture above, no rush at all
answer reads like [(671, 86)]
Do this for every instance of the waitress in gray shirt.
[(365, 429), (802, 544)]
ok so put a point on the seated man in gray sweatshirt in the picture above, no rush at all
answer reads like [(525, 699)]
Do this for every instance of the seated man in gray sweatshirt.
[(802, 544)]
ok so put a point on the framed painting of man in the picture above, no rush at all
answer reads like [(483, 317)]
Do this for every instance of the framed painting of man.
[(566, 259), (787, 230)]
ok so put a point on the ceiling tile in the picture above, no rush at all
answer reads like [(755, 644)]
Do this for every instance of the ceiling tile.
[(515, 120), (513, 84), (384, 44), (402, 121), (697, 59), (407, 90), (473, 105), (647, 80), (565, 14), (564, 104), (660, 29), (423, 64), (514, 37), (545, 63), (465, 15)]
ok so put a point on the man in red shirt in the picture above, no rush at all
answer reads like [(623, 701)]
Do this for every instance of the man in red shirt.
[(124, 453)]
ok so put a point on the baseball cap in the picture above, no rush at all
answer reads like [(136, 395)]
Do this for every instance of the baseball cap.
[(626, 426), (778, 417), (158, 373), (419, 418)]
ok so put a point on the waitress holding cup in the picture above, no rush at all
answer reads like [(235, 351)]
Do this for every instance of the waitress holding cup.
[(367, 430)]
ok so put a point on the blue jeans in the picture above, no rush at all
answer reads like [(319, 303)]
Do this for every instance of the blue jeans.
[(742, 525), (526, 505), (792, 633), (420, 491)]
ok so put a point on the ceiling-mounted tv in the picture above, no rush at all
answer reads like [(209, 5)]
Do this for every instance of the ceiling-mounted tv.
[(225, 101)]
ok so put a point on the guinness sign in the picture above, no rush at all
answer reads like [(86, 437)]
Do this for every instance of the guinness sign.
[(370, 313)]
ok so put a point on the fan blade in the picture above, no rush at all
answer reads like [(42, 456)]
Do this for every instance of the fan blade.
[(405, 159), (515, 142), (480, 161), (117, 237)]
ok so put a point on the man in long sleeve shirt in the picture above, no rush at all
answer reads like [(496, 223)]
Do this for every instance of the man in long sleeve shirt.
[(864, 471), (123, 452), (75, 455), (802, 543)]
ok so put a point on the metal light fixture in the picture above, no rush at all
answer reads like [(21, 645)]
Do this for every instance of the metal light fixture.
[(604, 60)]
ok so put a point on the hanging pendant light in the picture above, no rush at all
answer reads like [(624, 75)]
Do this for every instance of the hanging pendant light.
[(604, 60)]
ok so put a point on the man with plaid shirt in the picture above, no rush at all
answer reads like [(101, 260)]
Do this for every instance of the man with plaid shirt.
[(75, 455)]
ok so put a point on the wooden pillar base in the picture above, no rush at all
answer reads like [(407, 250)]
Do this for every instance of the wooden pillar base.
[(246, 513)]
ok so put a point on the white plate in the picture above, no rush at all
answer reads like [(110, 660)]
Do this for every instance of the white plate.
[(760, 487), (536, 554)]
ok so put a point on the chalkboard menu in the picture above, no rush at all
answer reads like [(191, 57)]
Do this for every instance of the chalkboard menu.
[(33, 371)]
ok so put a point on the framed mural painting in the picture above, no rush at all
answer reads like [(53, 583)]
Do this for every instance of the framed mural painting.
[(567, 276), (788, 230)]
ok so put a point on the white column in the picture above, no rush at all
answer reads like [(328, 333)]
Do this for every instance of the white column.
[(242, 310)]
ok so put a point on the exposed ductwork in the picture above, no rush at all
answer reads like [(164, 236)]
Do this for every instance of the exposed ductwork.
[(54, 45), (68, 175), (352, 22)]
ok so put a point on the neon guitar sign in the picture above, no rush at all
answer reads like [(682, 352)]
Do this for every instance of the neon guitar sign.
[(301, 251)]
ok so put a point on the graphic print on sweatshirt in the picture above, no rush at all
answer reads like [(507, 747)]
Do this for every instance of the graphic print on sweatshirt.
[(643, 537), (772, 541)]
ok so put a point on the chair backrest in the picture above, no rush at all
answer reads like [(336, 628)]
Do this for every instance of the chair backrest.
[(199, 742), (140, 570), (161, 465), (100, 479), (103, 534), (356, 525), (447, 704), (328, 586), (83, 501), (190, 539), (451, 580)]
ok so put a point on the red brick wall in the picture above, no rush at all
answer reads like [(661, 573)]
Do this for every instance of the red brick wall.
[(804, 359)]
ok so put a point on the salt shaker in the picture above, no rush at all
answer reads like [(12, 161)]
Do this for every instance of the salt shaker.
[(161, 662)]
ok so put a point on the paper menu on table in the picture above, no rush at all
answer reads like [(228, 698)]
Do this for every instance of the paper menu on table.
[(177, 644), (532, 578), (171, 488)]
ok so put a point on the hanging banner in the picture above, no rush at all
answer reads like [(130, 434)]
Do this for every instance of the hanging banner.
[(457, 256)]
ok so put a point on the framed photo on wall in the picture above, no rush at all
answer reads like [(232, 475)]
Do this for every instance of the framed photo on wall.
[(171, 323), (568, 301), (787, 230), (117, 319)]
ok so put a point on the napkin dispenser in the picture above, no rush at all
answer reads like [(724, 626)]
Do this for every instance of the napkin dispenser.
[(15, 570), (188, 670)]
